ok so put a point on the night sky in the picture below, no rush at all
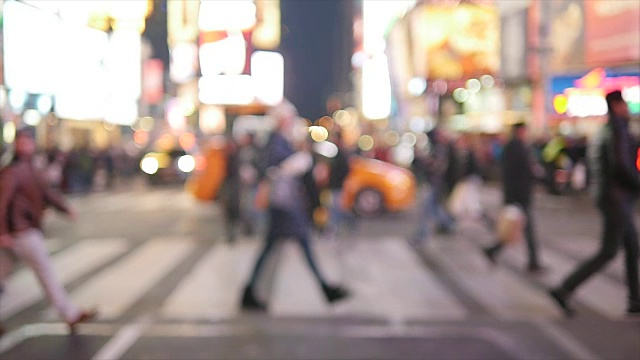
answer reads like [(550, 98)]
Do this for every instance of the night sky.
[(316, 43)]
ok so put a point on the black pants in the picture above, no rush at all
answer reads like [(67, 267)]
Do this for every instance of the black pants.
[(273, 236), (529, 234), (619, 228)]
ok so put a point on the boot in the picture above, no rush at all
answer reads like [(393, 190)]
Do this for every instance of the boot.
[(249, 301), (560, 296), (634, 307), (334, 293)]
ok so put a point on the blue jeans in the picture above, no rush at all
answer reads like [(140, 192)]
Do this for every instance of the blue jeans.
[(338, 215), (273, 236), (432, 208)]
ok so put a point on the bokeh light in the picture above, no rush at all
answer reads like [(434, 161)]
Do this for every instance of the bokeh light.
[(365, 142)]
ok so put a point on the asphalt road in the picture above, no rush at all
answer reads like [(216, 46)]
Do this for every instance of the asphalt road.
[(157, 265)]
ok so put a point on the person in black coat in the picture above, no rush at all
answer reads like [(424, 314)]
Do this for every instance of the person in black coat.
[(616, 182), (518, 180)]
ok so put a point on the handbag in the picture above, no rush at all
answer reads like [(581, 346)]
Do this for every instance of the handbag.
[(511, 222), (464, 200)]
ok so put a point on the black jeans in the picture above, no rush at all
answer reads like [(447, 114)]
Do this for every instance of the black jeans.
[(619, 228), (271, 240)]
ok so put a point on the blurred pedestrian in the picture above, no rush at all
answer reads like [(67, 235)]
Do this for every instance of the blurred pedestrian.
[(24, 195), (230, 190), (248, 157), (284, 162), (519, 172), (338, 172), (436, 166), (464, 200), (616, 184)]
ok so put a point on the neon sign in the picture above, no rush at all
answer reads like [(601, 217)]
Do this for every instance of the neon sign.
[(587, 95)]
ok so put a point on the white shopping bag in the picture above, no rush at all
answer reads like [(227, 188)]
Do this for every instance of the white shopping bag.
[(511, 224), (464, 201)]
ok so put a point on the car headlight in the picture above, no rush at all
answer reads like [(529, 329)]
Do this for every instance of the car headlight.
[(149, 165), (186, 163)]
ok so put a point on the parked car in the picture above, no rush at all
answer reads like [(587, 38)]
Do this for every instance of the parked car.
[(373, 187)]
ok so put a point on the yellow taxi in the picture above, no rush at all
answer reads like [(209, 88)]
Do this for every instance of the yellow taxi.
[(373, 187)]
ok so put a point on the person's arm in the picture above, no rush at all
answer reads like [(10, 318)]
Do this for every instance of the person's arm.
[(54, 198), (625, 170), (7, 189)]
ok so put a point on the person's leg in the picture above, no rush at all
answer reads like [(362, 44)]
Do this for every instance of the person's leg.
[(6, 265), (331, 293), (29, 247), (630, 243), (249, 300), (532, 244), (303, 240), (612, 233), (613, 230), (422, 230), (270, 241)]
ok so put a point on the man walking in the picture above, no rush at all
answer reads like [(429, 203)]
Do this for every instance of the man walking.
[(518, 172), (616, 182), (24, 195)]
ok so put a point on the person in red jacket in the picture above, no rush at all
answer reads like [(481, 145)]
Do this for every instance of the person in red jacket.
[(24, 195)]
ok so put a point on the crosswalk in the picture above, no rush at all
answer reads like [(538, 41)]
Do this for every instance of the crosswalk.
[(387, 278)]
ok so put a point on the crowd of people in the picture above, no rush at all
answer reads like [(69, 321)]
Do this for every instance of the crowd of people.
[(280, 181)]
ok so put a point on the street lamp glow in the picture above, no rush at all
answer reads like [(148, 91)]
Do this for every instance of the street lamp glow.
[(186, 163)]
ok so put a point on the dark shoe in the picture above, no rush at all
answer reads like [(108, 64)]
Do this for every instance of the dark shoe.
[(560, 297), (490, 253), (249, 301), (536, 269), (83, 317), (634, 308), (444, 230), (334, 293), (1, 330)]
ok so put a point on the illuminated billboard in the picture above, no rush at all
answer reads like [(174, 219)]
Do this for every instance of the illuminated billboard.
[(31, 55), (456, 42)]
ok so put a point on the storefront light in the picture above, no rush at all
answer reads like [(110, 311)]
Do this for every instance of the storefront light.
[(31, 117), (417, 86), (221, 15), (3, 97), (226, 90), (226, 56), (376, 88), (267, 70), (17, 99), (487, 81), (9, 132), (460, 95), (560, 104), (365, 143), (44, 104), (473, 85)]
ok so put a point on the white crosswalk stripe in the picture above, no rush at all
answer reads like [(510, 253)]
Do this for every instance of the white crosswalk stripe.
[(212, 290), (599, 292), (22, 289), (498, 290), (385, 276), (115, 289)]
